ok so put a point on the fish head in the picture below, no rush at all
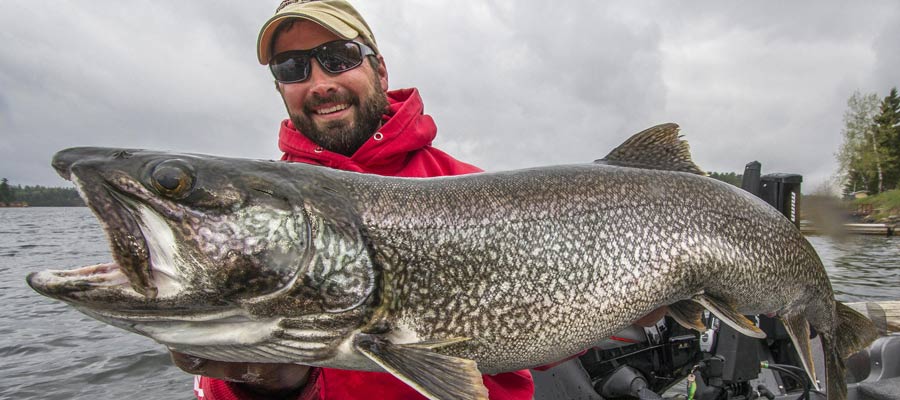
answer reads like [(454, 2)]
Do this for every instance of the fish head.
[(198, 238)]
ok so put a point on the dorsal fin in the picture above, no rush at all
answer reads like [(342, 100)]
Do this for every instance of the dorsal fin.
[(659, 147)]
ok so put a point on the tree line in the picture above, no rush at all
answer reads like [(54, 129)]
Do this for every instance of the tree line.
[(38, 196), (728, 177), (869, 156)]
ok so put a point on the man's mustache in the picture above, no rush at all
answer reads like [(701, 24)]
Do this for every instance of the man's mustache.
[(317, 100)]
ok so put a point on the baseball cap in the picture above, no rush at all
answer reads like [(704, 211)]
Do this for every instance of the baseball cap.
[(338, 16)]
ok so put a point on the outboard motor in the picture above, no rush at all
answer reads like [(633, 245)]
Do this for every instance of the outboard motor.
[(781, 191)]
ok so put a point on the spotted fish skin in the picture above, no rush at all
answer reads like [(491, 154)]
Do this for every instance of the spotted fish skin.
[(438, 280), (545, 262)]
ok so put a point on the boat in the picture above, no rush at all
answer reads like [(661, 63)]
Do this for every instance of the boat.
[(656, 363)]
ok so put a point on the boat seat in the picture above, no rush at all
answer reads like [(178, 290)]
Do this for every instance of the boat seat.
[(885, 389)]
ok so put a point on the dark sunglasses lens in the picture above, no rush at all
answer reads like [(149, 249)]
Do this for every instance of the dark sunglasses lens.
[(290, 68), (339, 57)]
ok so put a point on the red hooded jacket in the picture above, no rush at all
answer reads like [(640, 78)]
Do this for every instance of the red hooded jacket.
[(401, 147)]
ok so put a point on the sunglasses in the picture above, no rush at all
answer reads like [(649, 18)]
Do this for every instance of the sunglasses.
[(335, 57)]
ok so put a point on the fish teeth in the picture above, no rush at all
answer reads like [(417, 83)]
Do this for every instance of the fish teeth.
[(105, 275), (111, 278)]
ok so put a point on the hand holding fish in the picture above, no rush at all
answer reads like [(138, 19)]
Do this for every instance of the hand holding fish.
[(271, 379)]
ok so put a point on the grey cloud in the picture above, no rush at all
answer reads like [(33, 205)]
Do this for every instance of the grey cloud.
[(768, 81), (791, 21), (887, 56), (519, 85), (180, 77), (510, 83)]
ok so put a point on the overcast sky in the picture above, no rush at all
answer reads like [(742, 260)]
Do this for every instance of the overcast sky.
[(511, 83)]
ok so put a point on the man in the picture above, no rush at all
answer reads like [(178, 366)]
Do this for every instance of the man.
[(334, 84)]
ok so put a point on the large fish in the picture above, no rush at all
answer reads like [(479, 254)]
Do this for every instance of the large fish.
[(437, 280)]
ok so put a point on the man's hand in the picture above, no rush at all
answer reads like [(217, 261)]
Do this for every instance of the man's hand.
[(265, 378)]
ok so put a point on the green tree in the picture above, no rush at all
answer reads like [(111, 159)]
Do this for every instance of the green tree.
[(860, 156), (6, 194), (728, 177), (41, 196), (887, 130)]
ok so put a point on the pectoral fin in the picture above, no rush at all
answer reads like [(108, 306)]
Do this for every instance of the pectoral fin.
[(688, 314), (436, 376), (727, 314)]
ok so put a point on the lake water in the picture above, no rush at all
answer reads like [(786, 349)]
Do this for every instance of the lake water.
[(50, 351)]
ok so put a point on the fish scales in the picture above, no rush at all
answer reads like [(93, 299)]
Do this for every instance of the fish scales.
[(560, 250), (437, 280)]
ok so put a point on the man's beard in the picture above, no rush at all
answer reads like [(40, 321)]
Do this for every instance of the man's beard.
[(343, 137)]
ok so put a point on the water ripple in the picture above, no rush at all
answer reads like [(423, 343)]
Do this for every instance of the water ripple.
[(49, 351)]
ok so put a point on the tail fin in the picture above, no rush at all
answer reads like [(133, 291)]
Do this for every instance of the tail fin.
[(836, 386), (852, 333)]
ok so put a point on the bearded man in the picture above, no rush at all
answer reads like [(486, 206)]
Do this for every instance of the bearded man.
[(334, 84)]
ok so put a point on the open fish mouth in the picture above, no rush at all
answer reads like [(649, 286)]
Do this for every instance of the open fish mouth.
[(118, 203), (132, 266), (128, 244)]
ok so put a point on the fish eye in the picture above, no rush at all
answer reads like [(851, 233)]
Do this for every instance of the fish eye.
[(172, 178)]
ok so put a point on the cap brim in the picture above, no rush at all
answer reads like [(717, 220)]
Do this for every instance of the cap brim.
[(328, 21)]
